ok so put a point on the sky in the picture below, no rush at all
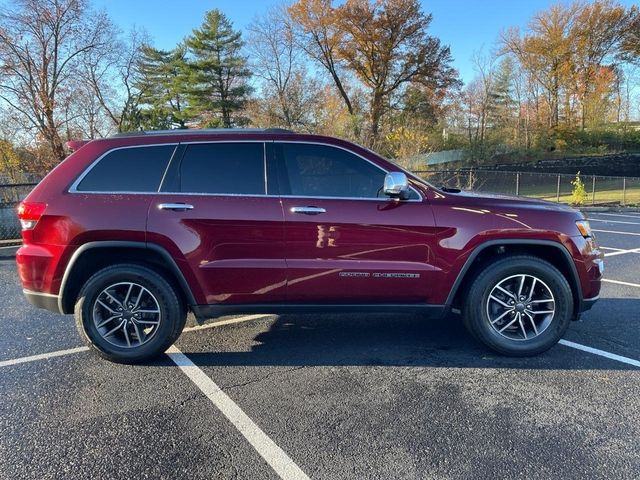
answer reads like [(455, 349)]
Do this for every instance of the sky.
[(465, 26)]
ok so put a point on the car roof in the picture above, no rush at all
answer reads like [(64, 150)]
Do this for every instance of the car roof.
[(202, 131), (191, 135)]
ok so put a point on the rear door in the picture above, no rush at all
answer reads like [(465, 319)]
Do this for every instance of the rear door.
[(217, 217), (345, 241)]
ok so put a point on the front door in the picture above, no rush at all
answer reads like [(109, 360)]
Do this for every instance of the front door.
[(217, 218), (347, 243)]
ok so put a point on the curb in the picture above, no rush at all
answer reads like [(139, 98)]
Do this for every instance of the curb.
[(610, 209), (8, 253)]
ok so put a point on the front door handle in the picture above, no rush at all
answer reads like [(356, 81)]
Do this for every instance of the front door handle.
[(308, 210), (176, 207)]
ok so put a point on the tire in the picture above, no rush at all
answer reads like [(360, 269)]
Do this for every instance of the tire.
[(536, 331), (143, 334)]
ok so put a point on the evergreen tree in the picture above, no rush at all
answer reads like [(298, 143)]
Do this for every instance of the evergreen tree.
[(162, 85), (218, 77), (218, 72), (503, 103)]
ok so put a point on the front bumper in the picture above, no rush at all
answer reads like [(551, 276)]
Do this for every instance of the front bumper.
[(587, 303)]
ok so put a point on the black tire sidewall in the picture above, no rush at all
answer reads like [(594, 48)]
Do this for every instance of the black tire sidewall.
[(171, 311), (478, 322)]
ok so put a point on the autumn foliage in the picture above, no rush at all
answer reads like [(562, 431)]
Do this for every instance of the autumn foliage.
[(367, 70)]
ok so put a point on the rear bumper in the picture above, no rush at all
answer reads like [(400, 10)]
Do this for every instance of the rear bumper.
[(38, 267), (42, 300)]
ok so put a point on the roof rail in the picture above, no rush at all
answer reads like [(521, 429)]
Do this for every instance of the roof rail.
[(197, 131)]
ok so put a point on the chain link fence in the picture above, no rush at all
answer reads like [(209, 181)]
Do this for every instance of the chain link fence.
[(10, 195), (600, 190)]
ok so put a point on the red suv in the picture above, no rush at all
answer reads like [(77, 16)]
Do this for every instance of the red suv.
[(132, 232)]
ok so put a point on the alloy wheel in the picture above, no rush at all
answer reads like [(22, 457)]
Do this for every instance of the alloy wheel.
[(520, 307), (126, 314)]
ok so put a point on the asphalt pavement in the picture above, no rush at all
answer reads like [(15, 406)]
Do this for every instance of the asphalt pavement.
[(329, 396)]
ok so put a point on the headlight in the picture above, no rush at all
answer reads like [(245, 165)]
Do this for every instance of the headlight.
[(584, 228)]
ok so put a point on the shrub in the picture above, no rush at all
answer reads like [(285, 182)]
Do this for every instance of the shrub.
[(579, 193), (405, 143)]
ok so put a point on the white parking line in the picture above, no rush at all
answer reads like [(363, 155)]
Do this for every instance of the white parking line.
[(61, 353), (592, 219), (618, 215), (617, 232), (267, 448), (619, 282), (602, 353), (42, 356), (620, 251)]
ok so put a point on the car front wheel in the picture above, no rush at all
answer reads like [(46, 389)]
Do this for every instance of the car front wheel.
[(519, 306), (129, 313)]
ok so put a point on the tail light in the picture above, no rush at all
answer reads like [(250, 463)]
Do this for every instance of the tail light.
[(29, 213)]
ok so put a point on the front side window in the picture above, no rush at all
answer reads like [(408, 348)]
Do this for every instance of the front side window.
[(132, 169), (223, 168), (325, 171)]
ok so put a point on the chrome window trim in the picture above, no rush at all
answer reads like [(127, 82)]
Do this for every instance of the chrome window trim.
[(197, 194), (419, 199), (74, 186), (202, 194)]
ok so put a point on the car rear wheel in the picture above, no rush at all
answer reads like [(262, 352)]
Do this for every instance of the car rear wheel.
[(129, 313), (519, 306)]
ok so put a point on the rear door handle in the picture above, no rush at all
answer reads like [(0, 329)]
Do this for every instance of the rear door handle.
[(176, 207), (308, 210)]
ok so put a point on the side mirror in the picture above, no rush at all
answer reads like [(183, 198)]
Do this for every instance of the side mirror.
[(396, 185)]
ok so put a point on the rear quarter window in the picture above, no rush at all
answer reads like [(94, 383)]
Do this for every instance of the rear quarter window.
[(129, 169)]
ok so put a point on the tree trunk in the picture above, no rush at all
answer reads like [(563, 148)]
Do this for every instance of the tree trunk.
[(286, 112), (343, 92), (56, 145), (376, 116), (53, 138)]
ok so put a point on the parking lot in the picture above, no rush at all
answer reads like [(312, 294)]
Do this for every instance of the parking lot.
[(329, 396)]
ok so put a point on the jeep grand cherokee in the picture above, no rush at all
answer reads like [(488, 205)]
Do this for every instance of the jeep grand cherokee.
[(132, 232)]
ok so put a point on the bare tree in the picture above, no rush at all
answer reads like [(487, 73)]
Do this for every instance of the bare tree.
[(480, 92), (42, 44), (273, 53), (287, 94), (113, 77)]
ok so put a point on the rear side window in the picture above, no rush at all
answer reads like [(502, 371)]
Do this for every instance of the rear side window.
[(134, 169), (223, 168), (324, 171)]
